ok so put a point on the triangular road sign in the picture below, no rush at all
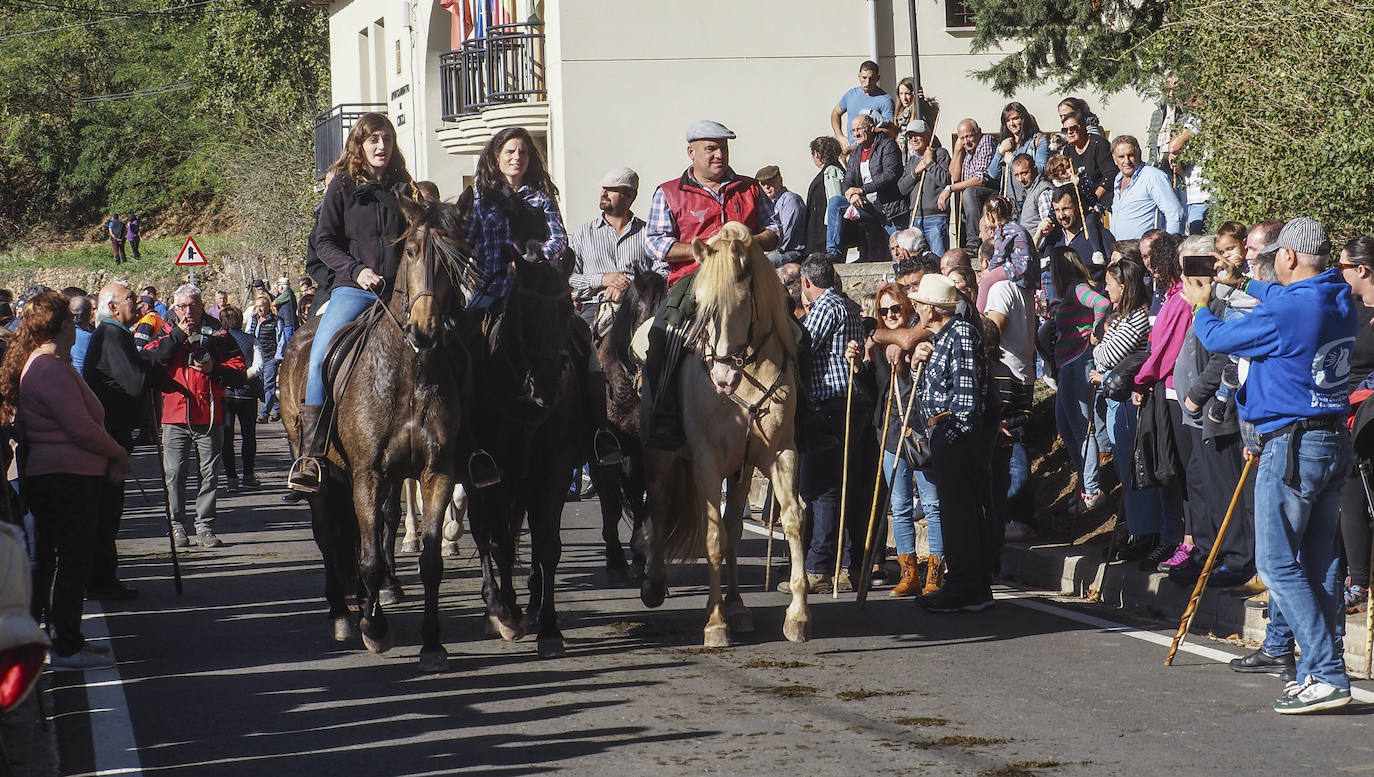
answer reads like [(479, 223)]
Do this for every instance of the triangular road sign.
[(191, 254)]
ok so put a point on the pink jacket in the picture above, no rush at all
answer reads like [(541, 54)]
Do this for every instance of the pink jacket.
[(62, 421), (1171, 328)]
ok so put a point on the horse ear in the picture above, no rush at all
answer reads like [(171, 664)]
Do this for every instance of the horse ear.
[(699, 250), (534, 251), (412, 209)]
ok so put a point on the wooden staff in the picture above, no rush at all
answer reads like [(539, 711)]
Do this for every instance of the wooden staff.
[(864, 571), (769, 505), (844, 479), (1187, 621), (839, 545)]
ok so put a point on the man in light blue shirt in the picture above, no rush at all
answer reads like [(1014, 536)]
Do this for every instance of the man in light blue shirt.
[(867, 96), (1142, 195), (791, 216)]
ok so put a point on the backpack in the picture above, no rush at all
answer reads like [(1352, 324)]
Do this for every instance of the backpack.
[(117, 228)]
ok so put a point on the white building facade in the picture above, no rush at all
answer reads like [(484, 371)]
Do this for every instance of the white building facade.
[(606, 83)]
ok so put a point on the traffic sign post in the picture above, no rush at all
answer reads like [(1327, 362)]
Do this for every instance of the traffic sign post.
[(191, 256)]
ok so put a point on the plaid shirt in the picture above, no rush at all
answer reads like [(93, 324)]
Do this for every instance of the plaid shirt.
[(489, 233), (832, 321), (953, 378), (976, 164)]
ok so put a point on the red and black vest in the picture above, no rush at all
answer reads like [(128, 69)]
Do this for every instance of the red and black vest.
[(699, 214)]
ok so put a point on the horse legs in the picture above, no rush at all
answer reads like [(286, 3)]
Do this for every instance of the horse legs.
[(736, 503), (391, 592), (411, 543), (633, 491), (437, 489), (708, 499), (546, 549), (335, 552), (668, 471), (453, 521), (796, 627), (607, 481), (367, 502), (496, 542)]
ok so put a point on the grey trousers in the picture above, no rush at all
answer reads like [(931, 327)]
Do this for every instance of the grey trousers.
[(178, 440)]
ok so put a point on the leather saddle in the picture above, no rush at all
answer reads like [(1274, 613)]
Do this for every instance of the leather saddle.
[(344, 350)]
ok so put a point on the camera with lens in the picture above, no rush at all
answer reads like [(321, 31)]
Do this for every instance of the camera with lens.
[(200, 355)]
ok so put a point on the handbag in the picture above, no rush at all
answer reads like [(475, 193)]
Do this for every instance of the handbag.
[(915, 446), (1120, 380)]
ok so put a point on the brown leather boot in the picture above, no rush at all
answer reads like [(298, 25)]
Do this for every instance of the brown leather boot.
[(910, 584), (935, 574)]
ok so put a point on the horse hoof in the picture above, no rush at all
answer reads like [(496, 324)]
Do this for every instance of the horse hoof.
[(344, 628), (637, 570), (551, 647), (653, 592), (387, 642), (410, 545), (448, 549), (740, 620), (717, 637), (391, 595), (505, 632), (618, 576), (452, 531), (796, 631), (434, 661)]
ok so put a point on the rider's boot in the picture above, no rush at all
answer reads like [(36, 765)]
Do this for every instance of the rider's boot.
[(663, 427), (307, 473), (605, 446)]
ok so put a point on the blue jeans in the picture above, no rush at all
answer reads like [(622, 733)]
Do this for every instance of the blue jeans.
[(1278, 635), (903, 512), (936, 231), (1296, 535), (1071, 409), (834, 222), (1197, 218), (1144, 510), (930, 505), (345, 304), (269, 388)]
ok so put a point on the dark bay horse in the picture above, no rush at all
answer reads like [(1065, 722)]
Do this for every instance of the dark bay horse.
[(530, 416), (621, 487), (400, 413)]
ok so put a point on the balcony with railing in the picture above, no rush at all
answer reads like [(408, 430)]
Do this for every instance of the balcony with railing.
[(331, 129), (493, 82)]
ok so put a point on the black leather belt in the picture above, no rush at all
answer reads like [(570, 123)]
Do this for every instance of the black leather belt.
[(1296, 429)]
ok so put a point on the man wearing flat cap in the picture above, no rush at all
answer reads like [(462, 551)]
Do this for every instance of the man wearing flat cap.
[(705, 198), (1300, 339), (609, 249), (791, 215)]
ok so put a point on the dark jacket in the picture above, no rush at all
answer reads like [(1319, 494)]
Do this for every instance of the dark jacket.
[(1096, 168), (816, 202), (1203, 378), (357, 229), (926, 201), (1154, 457), (885, 167), (117, 373)]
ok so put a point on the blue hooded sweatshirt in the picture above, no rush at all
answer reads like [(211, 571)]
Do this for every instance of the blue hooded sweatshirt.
[(1300, 339)]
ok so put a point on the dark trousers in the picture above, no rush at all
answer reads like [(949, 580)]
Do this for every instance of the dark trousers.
[(960, 473), (117, 247), (1213, 474), (971, 204), (133, 246), (104, 555), (243, 412), (821, 481), (1355, 529), (65, 510)]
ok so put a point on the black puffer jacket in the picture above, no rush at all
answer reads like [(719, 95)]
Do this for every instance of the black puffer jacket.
[(356, 229)]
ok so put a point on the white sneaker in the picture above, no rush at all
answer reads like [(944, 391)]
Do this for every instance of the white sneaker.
[(82, 660), (1312, 696)]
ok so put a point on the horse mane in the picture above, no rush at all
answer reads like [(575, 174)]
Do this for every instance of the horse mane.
[(717, 285), (639, 304)]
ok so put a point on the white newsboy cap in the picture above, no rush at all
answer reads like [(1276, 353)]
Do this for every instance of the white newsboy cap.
[(620, 178), (708, 130)]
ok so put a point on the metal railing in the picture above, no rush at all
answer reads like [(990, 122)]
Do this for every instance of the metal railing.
[(331, 129), (506, 66)]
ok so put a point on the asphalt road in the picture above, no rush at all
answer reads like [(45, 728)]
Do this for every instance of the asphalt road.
[(241, 676)]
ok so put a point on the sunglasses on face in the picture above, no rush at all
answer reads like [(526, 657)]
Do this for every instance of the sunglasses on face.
[(1072, 128), (891, 310)]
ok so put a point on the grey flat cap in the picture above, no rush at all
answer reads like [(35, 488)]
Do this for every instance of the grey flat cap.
[(709, 130), (916, 127), (620, 178), (1304, 235)]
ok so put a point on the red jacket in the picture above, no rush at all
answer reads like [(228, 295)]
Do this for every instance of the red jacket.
[(189, 390), (699, 214)]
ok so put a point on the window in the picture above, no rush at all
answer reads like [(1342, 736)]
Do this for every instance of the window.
[(958, 14)]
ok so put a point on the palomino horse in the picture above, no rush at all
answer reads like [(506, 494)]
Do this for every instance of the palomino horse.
[(739, 395), (398, 413), (533, 422), (621, 486)]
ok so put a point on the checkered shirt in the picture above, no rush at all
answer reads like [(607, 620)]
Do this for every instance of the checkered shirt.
[(953, 378), (976, 164), (832, 321), (489, 233)]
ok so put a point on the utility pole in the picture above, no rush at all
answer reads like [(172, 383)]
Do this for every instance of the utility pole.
[(915, 48)]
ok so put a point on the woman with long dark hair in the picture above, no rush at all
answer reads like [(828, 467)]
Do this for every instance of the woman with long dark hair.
[(512, 191), (65, 454), (358, 236), (1020, 134)]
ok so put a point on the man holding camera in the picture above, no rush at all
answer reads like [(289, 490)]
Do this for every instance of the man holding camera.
[(199, 359)]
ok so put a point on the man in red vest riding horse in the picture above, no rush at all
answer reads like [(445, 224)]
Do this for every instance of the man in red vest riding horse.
[(707, 196)]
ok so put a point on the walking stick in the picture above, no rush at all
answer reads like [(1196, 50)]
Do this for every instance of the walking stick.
[(957, 216), (1187, 621), (1364, 467), (167, 502), (770, 506), (844, 481), (865, 572)]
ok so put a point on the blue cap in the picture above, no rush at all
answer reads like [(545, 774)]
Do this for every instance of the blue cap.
[(708, 130)]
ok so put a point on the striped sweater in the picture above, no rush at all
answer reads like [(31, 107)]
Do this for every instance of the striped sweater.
[(1079, 312), (1125, 335)]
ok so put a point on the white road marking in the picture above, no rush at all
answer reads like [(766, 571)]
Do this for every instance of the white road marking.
[(1037, 603), (114, 749)]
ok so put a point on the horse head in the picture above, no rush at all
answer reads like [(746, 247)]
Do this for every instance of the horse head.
[(535, 330), (724, 291), (435, 268)]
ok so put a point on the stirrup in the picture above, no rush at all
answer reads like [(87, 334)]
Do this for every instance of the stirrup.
[(482, 469), (306, 475), (610, 453)]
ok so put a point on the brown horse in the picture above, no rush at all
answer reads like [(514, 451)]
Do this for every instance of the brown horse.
[(398, 413), (739, 398)]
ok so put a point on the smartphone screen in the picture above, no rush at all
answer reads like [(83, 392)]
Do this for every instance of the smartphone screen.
[(1198, 266)]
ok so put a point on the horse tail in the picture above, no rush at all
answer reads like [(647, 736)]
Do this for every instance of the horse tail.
[(680, 528)]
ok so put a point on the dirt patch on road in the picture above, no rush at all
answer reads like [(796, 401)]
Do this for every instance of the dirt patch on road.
[(763, 663), (864, 693), (920, 721), (962, 740), (1020, 769), (790, 691)]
